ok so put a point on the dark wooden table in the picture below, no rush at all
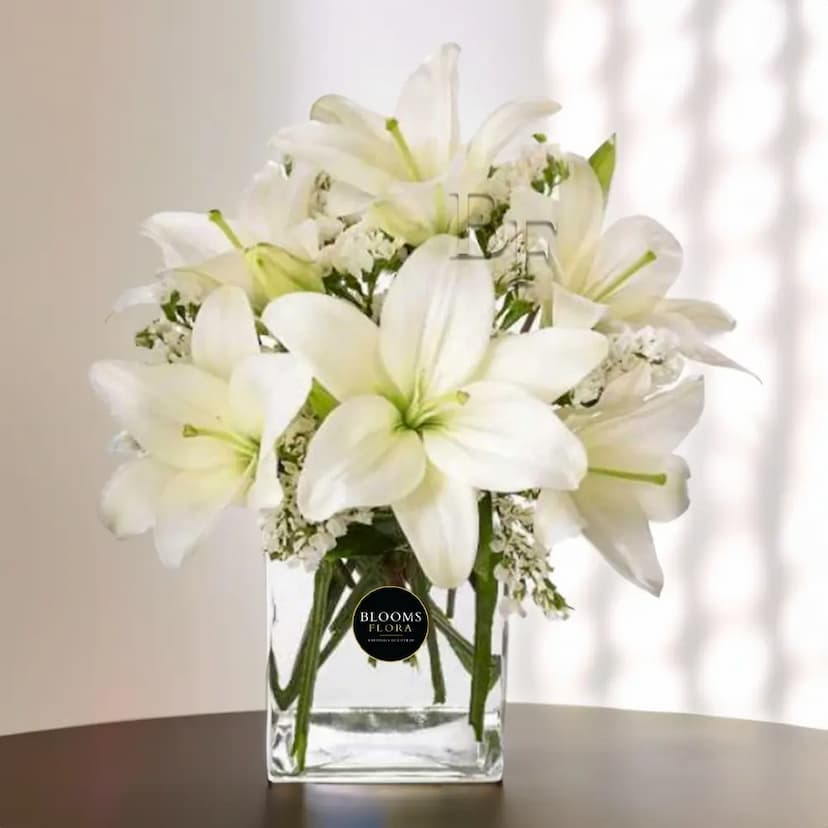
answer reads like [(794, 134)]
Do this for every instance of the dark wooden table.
[(566, 767)]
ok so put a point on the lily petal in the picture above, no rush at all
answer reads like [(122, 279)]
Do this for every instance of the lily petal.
[(663, 503), (571, 310), (711, 321), (274, 202), (346, 200), (633, 385), (621, 275), (130, 499), (265, 491), (504, 124), (409, 211), (354, 156), (547, 363), (151, 294), (503, 439), (579, 223), (617, 526), (556, 518), (436, 319), (707, 318), (337, 109), (359, 457), (189, 507), (266, 393), (227, 268), (339, 344), (655, 427), (440, 520), (224, 332), (712, 356), (154, 402), (529, 207), (427, 111), (267, 390), (185, 238)]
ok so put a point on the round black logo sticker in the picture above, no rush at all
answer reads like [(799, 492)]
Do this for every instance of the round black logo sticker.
[(390, 623)]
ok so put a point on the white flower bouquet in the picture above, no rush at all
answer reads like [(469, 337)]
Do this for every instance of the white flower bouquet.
[(421, 366)]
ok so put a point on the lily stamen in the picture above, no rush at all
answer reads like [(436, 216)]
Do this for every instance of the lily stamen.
[(637, 477), (393, 126), (245, 445), (416, 416), (645, 259), (218, 219)]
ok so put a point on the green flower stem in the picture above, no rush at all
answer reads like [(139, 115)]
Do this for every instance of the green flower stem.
[(438, 681), (460, 646), (341, 624), (450, 596), (485, 588), (421, 587), (287, 695), (310, 661), (530, 320)]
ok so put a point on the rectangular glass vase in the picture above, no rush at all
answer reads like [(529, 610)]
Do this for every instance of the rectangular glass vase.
[(378, 721)]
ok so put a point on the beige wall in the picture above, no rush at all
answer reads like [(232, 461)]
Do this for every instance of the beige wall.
[(113, 110), (117, 109)]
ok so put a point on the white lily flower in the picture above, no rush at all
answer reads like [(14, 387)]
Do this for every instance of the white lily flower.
[(633, 477), (413, 164), (271, 248), (207, 429), (431, 409), (588, 277)]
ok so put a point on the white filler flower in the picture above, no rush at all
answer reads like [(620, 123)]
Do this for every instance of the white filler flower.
[(633, 477), (431, 409), (207, 430)]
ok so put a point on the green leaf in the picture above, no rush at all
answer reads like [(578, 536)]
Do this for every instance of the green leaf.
[(517, 309), (321, 400), (360, 541), (602, 162), (169, 308)]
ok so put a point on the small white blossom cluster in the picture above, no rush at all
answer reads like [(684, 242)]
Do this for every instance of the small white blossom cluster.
[(286, 535), (628, 349), (358, 248), (166, 341), (528, 168), (524, 567), (507, 247)]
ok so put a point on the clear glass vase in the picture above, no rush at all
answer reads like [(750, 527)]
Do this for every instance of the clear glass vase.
[(336, 714)]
